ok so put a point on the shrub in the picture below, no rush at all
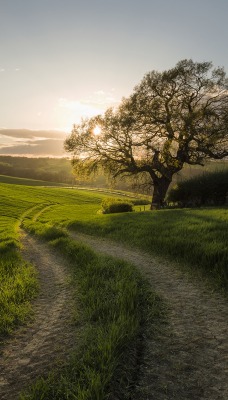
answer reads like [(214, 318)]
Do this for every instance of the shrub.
[(210, 188), (140, 202), (112, 205)]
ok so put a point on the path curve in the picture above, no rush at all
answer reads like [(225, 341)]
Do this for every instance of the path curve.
[(35, 348), (188, 359)]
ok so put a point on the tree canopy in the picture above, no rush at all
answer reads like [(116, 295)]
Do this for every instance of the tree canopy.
[(173, 117)]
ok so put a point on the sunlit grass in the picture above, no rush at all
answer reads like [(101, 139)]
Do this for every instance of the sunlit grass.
[(113, 296), (116, 307), (18, 283), (26, 181), (18, 202), (195, 238)]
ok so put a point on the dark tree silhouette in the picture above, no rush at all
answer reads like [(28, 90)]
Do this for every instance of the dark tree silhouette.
[(173, 117)]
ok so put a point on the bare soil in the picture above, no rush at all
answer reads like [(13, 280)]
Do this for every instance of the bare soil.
[(35, 348), (188, 358)]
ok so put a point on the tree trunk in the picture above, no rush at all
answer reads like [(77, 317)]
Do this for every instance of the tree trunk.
[(161, 186)]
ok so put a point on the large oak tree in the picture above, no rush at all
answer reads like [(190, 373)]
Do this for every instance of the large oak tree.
[(173, 117)]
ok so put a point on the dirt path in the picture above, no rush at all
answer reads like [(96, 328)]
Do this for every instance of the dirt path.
[(33, 350), (189, 358)]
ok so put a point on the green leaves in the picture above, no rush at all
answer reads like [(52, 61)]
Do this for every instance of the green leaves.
[(111, 205)]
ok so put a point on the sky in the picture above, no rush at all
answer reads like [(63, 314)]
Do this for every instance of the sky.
[(61, 60)]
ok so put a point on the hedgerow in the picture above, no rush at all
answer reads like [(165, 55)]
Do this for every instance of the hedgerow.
[(210, 188)]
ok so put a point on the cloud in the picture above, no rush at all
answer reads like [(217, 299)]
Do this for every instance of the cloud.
[(32, 142), (31, 133), (70, 111), (95, 104), (73, 111), (99, 92), (42, 147), (102, 99)]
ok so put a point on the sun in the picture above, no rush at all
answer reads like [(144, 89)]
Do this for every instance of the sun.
[(97, 130)]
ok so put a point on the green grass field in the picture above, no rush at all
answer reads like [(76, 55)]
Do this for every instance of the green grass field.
[(116, 308), (112, 322), (197, 239), (194, 238), (26, 181), (18, 282)]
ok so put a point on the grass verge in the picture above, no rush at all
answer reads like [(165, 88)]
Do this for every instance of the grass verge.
[(117, 307), (18, 283)]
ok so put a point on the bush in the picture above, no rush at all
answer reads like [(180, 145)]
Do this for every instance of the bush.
[(210, 188), (141, 202), (112, 205)]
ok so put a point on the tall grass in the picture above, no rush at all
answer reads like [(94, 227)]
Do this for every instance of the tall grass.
[(196, 239), (113, 296), (18, 283), (116, 306), (17, 278)]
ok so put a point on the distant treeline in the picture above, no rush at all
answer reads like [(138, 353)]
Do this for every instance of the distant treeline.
[(46, 169), (59, 170)]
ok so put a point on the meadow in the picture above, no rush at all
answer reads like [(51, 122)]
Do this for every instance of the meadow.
[(112, 322), (194, 238), (18, 280), (27, 182)]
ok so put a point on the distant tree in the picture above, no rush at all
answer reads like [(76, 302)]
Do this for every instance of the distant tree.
[(173, 117), (5, 168)]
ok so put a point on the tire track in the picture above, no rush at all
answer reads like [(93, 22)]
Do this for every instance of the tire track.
[(188, 358), (34, 349)]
